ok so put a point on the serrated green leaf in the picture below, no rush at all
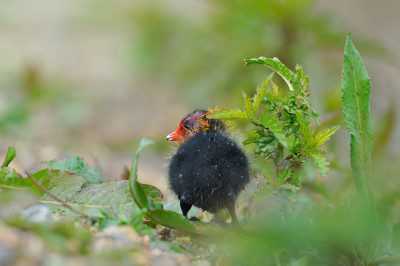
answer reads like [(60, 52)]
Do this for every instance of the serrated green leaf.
[(107, 194), (273, 94), (59, 183), (319, 160), (229, 114), (276, 65), (284, 175), (250, 140), (324, 136), (250, 111), (300, 80), (77, 166), (9, 156), (272, 123), (260, 93), (304, 131), (356, 94), (96, 198), (65, 189), (289, 187), (50, 179)]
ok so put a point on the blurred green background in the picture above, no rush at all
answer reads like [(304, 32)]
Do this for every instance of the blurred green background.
[(92, 77)]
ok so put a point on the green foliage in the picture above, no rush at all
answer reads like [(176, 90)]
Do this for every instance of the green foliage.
[(282, 121), (77, 166), (356, 95)]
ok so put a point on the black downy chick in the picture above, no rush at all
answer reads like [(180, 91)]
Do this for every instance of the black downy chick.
[(208, 170)]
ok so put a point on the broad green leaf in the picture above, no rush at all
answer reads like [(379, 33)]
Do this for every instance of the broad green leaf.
[(61, 184), (66, 189), (9, 156), (276, 65), (107, 194), (112, 194), (77, 166), (356, 93)]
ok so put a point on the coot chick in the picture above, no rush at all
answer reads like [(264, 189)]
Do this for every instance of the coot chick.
[(208, 170)]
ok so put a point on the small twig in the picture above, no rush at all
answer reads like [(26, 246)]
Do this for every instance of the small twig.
[(66, 205)]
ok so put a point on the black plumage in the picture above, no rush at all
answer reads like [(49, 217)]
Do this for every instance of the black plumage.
[(209, 170)]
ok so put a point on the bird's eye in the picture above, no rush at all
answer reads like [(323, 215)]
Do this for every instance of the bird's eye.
[(186, 126)]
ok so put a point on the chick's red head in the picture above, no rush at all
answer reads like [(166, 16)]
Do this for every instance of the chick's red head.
[(189, 125)]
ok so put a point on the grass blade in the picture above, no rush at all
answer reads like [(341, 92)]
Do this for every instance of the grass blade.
[(135, 188)]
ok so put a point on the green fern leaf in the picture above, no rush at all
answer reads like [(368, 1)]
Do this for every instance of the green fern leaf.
[(229, 114), (250, 111), (319, 160), (324, 136), (271, 122), (261, 92)]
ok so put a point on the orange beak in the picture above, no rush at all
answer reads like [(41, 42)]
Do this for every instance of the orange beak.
[(178, 135)]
